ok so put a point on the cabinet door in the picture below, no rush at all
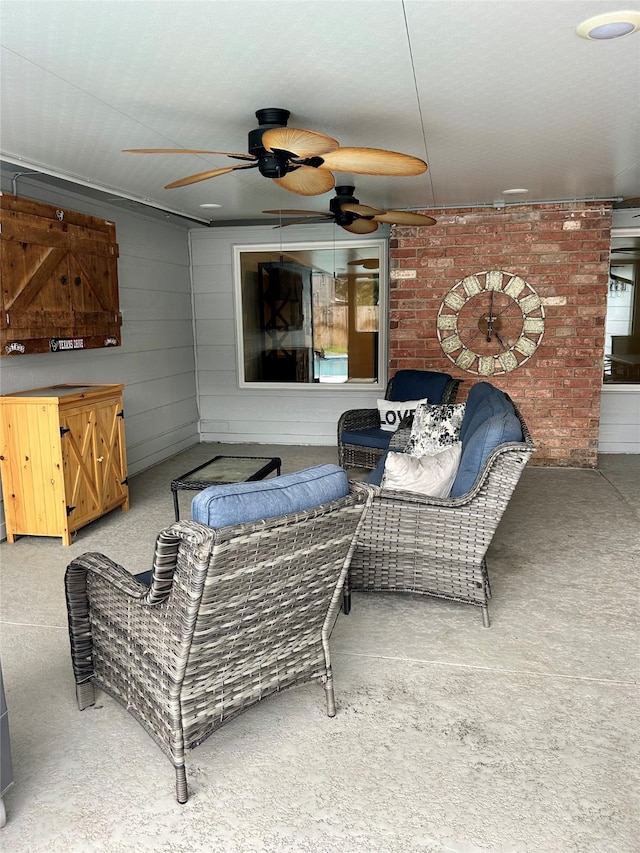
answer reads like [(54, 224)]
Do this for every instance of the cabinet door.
[(93, 291), (32, 475), (81, 487), (59, 280), (110, 454), (36, 290), (94, 461)]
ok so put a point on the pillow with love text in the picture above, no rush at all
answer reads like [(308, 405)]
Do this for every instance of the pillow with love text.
[(392, 413)]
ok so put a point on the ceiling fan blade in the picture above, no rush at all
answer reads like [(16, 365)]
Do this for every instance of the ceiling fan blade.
[(185, 151), (361, 226), (361, 209), (302, 143), (307, 221), (405, 217), (372, 161), (203, 176), (306, 180), (367, 263), (299, 213)]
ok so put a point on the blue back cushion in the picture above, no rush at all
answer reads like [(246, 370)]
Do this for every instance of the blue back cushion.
[(477, 445), (483, 401), (418, 384), (379, 438), (237, 503)]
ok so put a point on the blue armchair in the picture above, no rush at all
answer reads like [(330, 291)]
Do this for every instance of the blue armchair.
[(361, 441)]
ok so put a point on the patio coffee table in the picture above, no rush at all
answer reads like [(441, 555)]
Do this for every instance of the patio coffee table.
[(224, 469)]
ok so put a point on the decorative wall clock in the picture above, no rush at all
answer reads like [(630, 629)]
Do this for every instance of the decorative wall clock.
[(490, 322)]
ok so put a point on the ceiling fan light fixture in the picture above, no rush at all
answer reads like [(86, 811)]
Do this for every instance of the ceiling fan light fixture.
[(611, 25)]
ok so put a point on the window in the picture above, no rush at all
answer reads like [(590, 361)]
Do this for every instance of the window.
[(310, 313), (622, 328)]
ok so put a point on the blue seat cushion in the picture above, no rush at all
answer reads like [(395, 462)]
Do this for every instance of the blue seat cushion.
[(418, 384), (476, 447), (238, 503), (379, 438), (145, 577)]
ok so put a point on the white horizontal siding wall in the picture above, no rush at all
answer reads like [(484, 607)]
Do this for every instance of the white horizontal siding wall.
[(156, 361), (307, 414), (620, 419)]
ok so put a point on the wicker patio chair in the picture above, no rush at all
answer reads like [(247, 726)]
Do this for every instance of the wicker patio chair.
[(231, 616), (437, 546), (361, 442)]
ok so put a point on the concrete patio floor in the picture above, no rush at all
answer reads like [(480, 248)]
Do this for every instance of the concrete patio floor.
[(520, 738)]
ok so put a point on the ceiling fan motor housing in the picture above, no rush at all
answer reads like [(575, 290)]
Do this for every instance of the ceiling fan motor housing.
[(271, 164), (344, 195)]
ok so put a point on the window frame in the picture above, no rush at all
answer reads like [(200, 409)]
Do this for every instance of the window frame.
[(620, 376), (363, 248)]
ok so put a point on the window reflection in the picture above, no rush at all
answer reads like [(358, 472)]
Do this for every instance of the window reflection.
[(310, 314), (622, 328)]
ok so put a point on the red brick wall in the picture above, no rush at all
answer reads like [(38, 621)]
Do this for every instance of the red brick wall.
[(562, 251)]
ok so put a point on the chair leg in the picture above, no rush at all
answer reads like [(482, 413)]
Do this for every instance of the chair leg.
[(85, 694), (485, 616), (181, 784), (485, 575), (330, 695), (346, 602)]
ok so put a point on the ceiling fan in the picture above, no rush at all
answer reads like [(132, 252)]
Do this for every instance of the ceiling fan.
[(300, 161), (367, 263), (347, 212)]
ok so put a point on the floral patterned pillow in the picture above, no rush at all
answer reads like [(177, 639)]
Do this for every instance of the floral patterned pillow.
[(434, 428)]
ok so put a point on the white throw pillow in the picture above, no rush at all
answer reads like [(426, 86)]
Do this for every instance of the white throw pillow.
[(392, 412), (428, 475), (435, 427)]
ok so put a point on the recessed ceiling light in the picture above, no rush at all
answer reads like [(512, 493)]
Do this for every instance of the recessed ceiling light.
[(612, 25), (514, 191), (210, 206)]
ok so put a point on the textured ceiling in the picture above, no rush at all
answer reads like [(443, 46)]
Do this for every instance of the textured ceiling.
[(493, 94)]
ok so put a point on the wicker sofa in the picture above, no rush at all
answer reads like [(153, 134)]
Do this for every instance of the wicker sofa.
[(437, 546), (228, 615), (362, 442)]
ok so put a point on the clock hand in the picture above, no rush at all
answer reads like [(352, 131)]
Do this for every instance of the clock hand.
[(500, 341), (490, 318)]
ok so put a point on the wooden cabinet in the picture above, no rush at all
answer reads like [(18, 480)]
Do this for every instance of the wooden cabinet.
[(62, 458), (59, 279)]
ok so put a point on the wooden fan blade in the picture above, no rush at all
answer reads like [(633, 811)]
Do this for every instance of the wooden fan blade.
[(203, 176), (361, 226), (306, 180), (185, 151), (299, 213), (372, 161), (361, 209), (302, 143), (405, 217), (306, 221), (367, 263)]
